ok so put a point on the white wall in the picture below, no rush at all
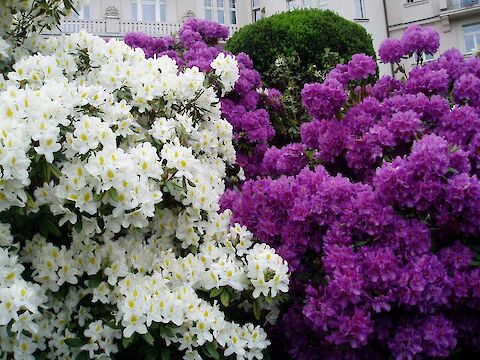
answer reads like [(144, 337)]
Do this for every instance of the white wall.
[(433, 13)]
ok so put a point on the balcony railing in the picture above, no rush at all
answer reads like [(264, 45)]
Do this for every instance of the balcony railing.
[(114, 28), (153, 29), (462, 4)]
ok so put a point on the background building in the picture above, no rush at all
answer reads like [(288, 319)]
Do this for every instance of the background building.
[(457, 21), (114, 18)]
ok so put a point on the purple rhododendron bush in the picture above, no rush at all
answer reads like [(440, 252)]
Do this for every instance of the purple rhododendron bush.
[(196, 45), (378, 210)]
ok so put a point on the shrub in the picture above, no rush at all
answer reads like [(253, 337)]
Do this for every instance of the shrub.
[(306, 33), (381, 229), (294, 48), (110, 237)]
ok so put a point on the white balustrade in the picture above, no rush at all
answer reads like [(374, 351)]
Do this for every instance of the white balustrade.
[(104, 29)]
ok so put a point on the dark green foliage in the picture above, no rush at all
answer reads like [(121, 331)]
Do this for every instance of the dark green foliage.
[(289, 76), (304, 32), (296, 48)]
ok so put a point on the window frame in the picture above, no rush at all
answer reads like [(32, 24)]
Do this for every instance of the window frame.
[(301, 4), (360, 10), (256, 9), (215, 10), (220, 10), (475, 36), (81, 13), (160, 10), (232, 10), (209, 8)]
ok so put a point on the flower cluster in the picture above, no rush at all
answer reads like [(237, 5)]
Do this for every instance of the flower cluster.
[(244, 102), (113, 165), (416, 39), (377, 211)]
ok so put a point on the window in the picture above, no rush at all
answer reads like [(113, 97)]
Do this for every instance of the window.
[(256, 11), (293, 4), (296, 4), (215, 10), (208, 9), (471, 34), (424, 58), (149, 10), (233, 12), (469, 2), (83, 13), (163, 11), (360, 9), (220, 12)]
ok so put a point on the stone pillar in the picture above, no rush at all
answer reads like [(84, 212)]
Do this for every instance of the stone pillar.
[(112, 20)]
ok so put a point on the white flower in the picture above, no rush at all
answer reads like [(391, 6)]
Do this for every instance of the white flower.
[(226, 68), (126, 158)]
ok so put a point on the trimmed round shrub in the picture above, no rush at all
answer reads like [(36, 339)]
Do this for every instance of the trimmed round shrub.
[(304, 32)]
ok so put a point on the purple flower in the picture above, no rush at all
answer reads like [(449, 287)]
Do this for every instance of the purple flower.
[(467, 90), (391, 51), (289, 160), (386, 86), (439, 336), (361, 67), (418, 39), (452, 61), (407, 344), (422, 79), (323, 100)]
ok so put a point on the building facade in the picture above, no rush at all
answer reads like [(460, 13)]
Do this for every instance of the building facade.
[(457, 21), (114, 18)]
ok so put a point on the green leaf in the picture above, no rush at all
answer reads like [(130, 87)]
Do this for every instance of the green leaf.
[(166, 331), (61, 293), (51, 228), (225, 298), (30, 201), (361, 243), (112, 325), (94, 281), (169, 187), (98, 197), (151, 354), (55, 171), (215, 292), (149, 339), (83, 356), (10, 333), (112, 192), (72, 326), (75, 342), (212, 351), (165, 353), (78, 226), (127, 342), (257, 310)]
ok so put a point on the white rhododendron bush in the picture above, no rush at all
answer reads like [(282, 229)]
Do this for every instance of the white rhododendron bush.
[(112, 166)]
